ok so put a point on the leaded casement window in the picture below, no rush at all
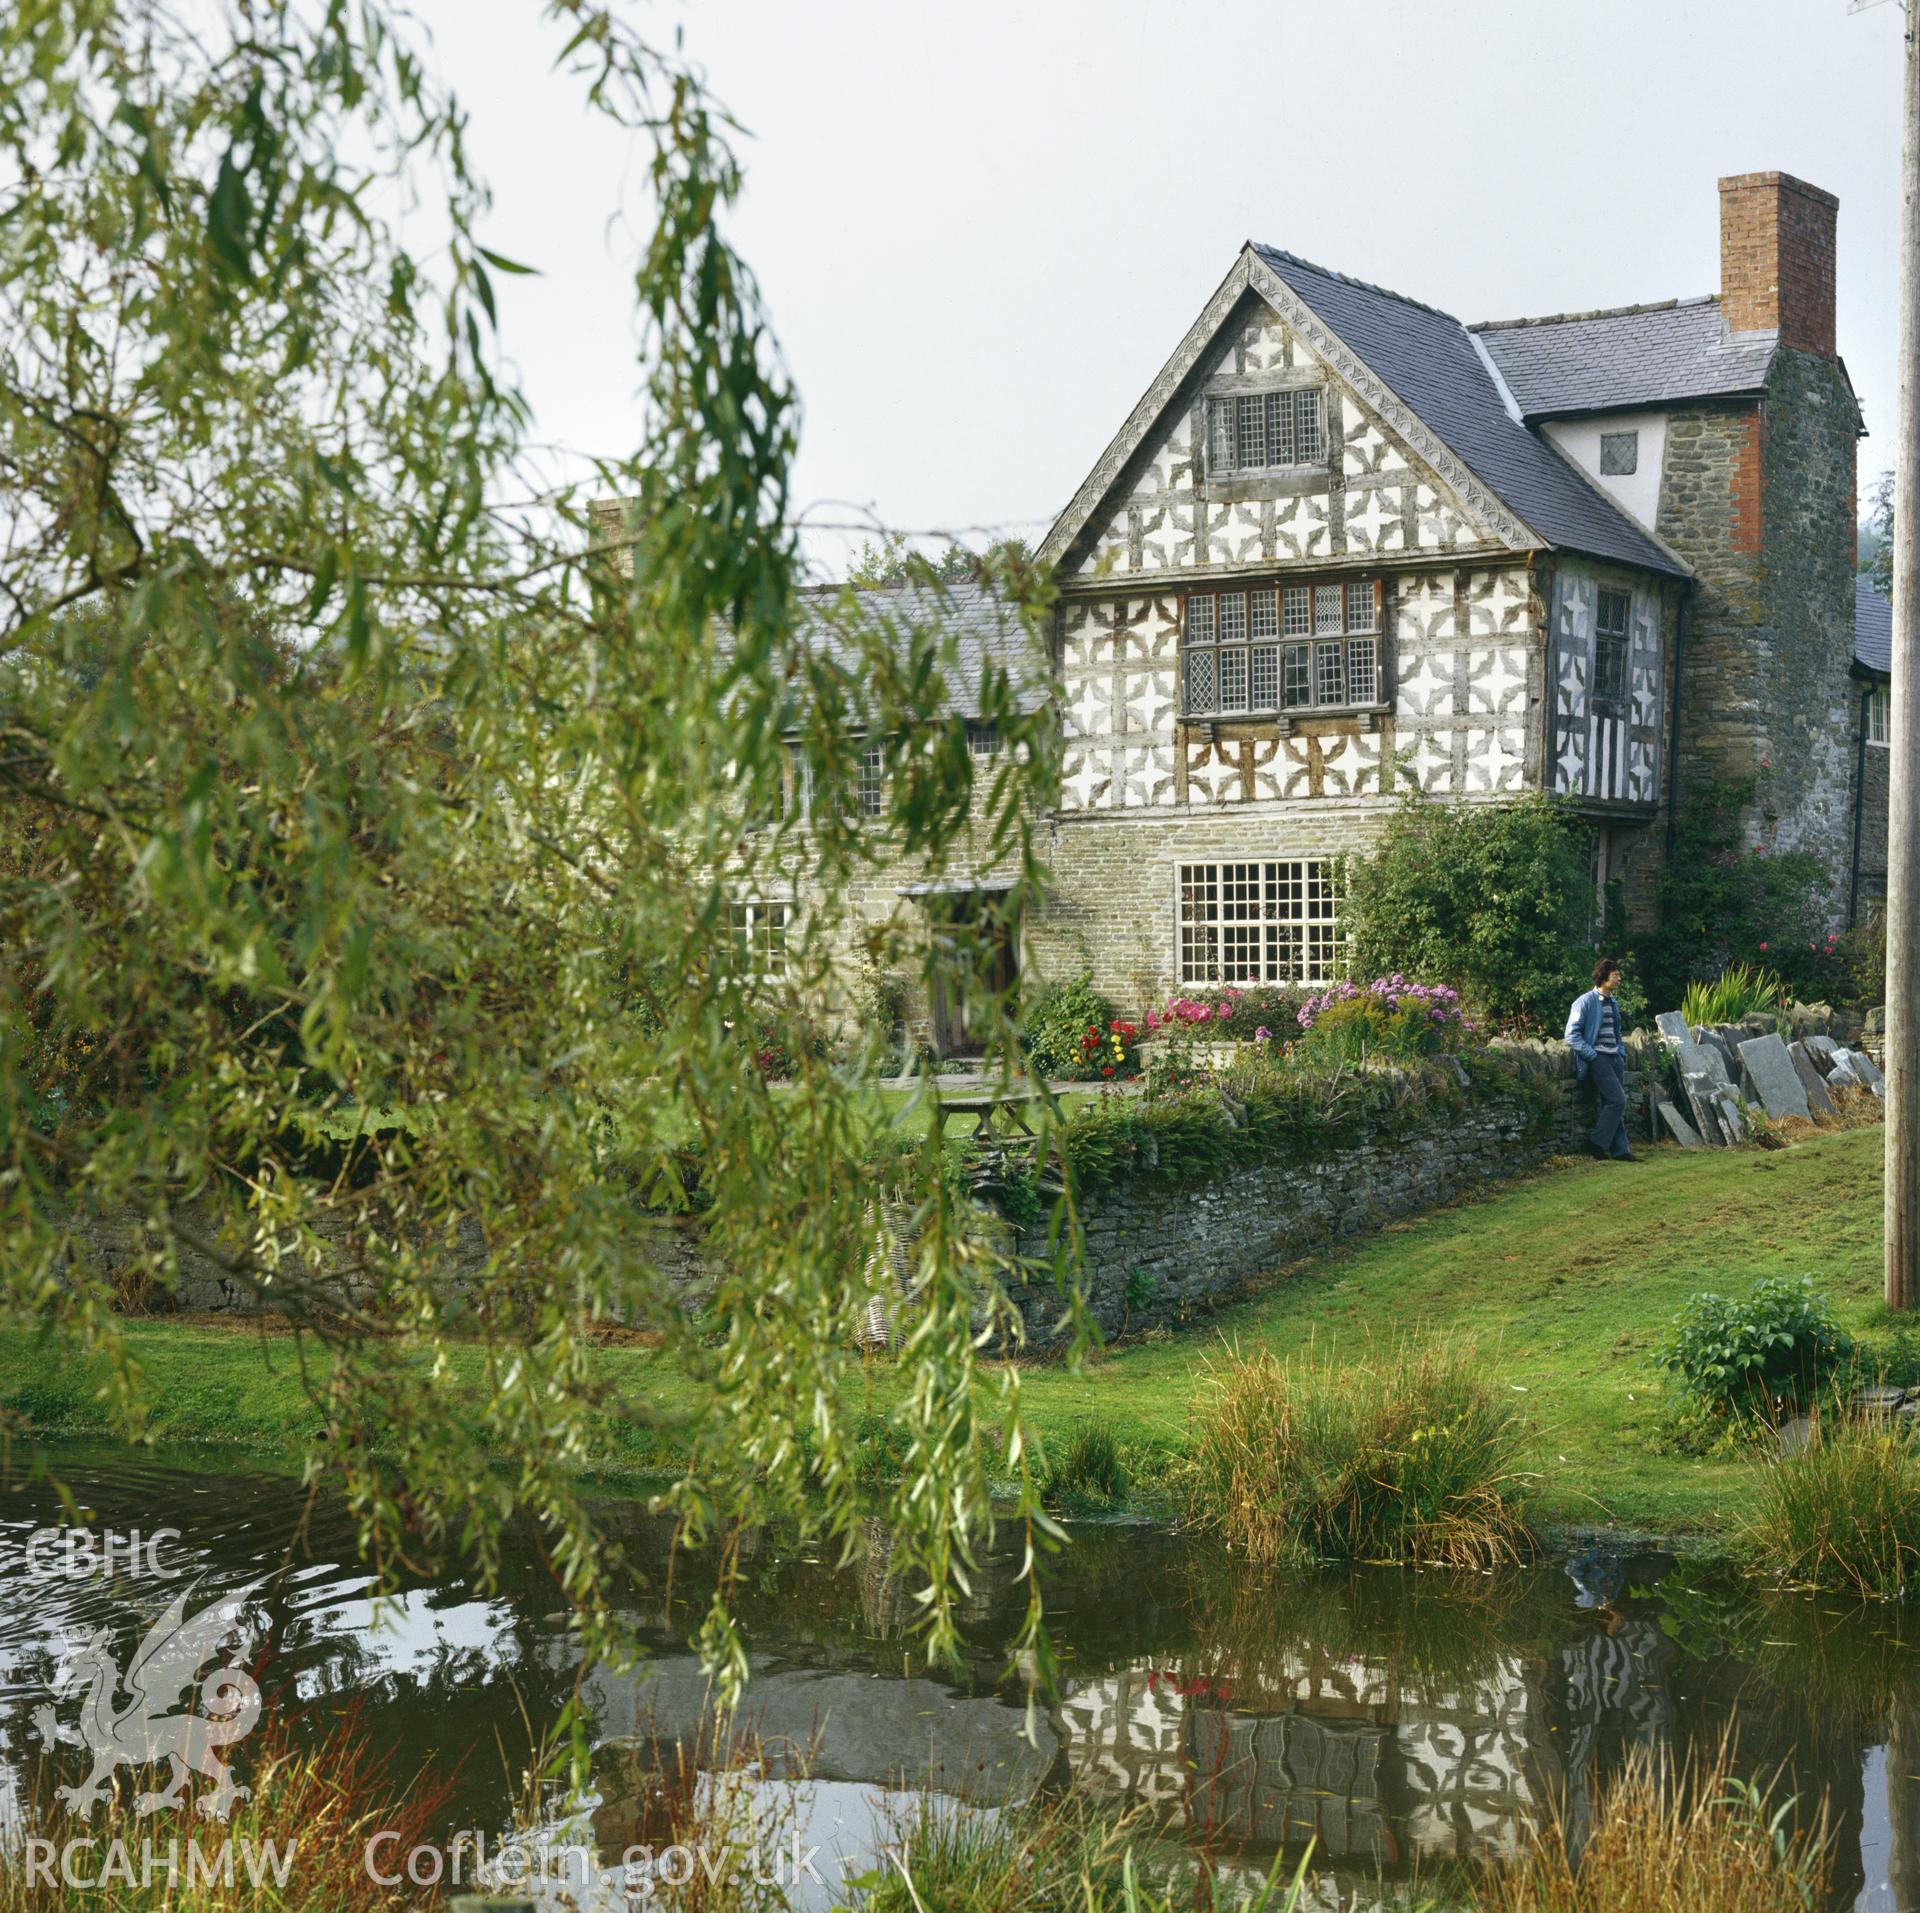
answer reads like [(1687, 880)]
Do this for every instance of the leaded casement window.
[(1262, 431), (1612, 637), (760, 933), (1619, 454), (1257, 922), (1879, 716), (1281, 647)]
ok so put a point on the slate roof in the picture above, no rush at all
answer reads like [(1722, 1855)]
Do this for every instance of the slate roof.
[(1613, 361), (1427, 358), (1872, 629), (983, 626)]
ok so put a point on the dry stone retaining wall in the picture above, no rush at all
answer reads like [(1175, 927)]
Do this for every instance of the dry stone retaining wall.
[(1159, 1256)]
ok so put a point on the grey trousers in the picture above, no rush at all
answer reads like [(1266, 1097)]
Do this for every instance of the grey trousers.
[(1608, 1075)]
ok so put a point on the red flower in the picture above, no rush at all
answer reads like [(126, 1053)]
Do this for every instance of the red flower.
[(1108, 1071)]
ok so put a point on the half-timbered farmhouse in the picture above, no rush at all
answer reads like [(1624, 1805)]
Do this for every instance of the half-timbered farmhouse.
[(1346, 545)]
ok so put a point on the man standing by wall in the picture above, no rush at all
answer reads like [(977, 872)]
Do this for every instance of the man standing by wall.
[(1593, 1034)]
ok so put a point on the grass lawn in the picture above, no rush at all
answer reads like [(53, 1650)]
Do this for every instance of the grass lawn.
[(1563, 1280)]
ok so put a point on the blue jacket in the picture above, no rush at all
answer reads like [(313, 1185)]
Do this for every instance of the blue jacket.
[(1583, 1030)]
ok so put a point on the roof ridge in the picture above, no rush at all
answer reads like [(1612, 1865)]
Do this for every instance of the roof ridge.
[(1347, 279), (1598, 312)]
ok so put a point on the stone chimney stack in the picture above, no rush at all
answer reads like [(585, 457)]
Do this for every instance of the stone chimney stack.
[(1777, 259)]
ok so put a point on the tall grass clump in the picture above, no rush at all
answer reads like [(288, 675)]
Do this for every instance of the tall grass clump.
[(1412, 1458), (1085, 1468), (1842, 1513), (1661, 1841), (1739, 990), (300, 1840), (1054, 1853)]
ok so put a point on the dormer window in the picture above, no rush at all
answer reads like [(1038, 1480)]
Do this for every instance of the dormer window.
[(1260, 431), (1291, 647)]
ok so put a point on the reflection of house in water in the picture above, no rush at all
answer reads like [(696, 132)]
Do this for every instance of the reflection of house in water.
[(1375, 1770)]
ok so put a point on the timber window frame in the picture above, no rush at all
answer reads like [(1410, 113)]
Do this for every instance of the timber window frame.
[(1279, 430), (1880, 717), (759, 926), (1286, 646), (869, 795), (1273, 920), (1612, 651)]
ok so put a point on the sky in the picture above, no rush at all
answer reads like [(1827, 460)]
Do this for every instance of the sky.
[(981, 229)]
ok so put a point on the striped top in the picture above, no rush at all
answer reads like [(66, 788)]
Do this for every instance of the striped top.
[(1607, 1042)]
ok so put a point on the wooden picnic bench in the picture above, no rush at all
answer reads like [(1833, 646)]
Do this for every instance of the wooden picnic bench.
[(985, 1106)]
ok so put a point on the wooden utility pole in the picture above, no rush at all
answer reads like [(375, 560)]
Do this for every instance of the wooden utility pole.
[(1903, 811)]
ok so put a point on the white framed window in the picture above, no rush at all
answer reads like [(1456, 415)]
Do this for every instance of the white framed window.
[(1281, 648), (983, 741), (759, 928), (1880, 716), (1265, 431), (1266, 922), (870, 780)]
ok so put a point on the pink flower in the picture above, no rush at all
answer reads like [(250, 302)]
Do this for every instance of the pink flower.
[(1763, 946)]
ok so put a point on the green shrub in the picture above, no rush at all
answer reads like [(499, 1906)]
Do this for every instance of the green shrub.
[(1777, 1343), (1859, 974), (1055, 1025), (1086, 1468), (1739, 990), (1493, 899), (1726, 899), (1842, 1513), (1414, 1458), (1892, 1360)]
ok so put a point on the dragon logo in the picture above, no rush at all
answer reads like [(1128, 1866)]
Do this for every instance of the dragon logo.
[(153, 1722)]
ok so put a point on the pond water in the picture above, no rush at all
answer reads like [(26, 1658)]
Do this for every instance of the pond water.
[(1400, 1721)]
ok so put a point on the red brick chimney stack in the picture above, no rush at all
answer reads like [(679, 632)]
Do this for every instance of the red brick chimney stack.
[(1777, 259)]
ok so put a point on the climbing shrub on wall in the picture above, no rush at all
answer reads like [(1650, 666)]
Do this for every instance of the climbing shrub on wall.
[(1494, 900), (1726, 897)]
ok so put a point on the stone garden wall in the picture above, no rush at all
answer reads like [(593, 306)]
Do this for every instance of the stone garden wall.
[(1155, 1255), (1160, 1256)]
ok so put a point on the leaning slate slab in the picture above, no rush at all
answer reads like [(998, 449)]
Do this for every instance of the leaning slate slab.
[(1841, 1075), (1702, 1059), (1727, 1107), (1683, 1131), (1700, 1093), (1821, 1048), (1866, 1068), (1775, 1080), (1726, 1038), (1817, 1098), (1673, 1027)]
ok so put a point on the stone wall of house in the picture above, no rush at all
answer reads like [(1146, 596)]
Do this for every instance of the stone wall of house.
[(1710, 513), (1760, 500), (1809, 517), (1876, 770), (1159, 1256)]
